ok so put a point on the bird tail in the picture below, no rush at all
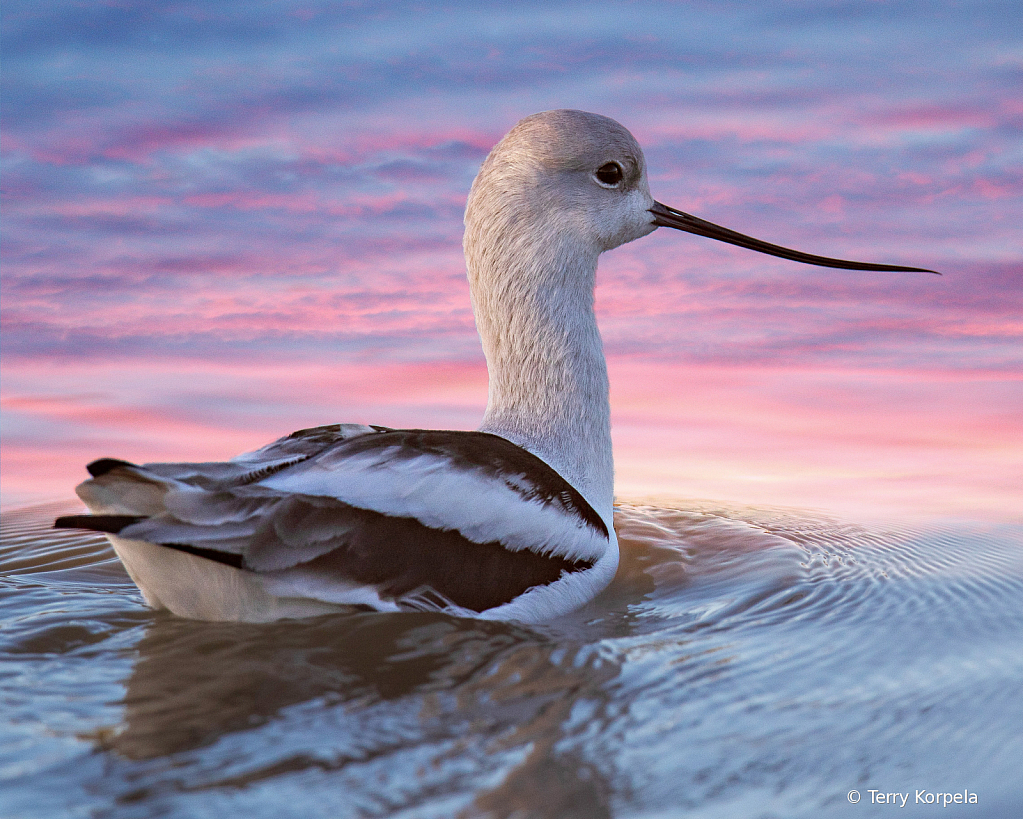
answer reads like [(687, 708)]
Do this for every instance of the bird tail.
[(118, 494)]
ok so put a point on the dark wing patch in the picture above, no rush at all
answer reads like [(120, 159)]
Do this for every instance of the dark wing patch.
[(104, 465), (226, 558), (111, 524), (490, 455), (397, 556)]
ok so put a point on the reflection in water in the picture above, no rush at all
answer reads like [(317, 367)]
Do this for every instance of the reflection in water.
[(744, 662), (502, 689)]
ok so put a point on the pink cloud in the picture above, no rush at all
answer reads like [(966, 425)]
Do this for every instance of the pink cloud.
[(862, 442), (130, 205), (941, 116), (203, 409), (136, 143), (868, 444)]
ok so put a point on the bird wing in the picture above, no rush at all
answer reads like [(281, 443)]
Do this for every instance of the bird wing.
[(467, 517)]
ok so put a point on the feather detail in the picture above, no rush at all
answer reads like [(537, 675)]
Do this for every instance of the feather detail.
[(465, 521)]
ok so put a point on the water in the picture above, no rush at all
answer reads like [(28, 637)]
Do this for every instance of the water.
[(745, 663)]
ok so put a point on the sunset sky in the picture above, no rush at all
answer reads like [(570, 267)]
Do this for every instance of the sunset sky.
[(225, 221)]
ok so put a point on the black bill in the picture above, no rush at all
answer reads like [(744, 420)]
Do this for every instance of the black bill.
[(669, 217)]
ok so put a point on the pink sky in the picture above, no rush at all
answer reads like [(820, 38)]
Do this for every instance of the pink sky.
[(866, 444), (219, 227)]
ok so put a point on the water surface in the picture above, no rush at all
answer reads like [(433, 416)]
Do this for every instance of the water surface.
[(745, 662)]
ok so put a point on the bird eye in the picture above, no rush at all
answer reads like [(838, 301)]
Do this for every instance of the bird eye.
[(609, 173)]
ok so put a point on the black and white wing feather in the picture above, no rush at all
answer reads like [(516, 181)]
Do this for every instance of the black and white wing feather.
[(352, 514)]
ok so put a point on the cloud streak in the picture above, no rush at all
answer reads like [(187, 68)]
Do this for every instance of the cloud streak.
[(241, 191)]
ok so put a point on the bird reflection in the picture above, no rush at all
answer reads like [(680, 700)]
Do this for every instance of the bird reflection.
[(495, 689), (194, 682)]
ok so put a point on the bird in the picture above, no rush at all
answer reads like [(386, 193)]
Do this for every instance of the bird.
[(509, 522)]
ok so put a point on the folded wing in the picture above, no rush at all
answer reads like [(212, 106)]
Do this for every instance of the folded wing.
[(346, 513)]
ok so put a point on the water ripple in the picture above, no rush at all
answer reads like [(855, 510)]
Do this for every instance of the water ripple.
[(744, 662)]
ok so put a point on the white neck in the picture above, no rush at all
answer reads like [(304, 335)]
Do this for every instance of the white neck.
[(548, 377)]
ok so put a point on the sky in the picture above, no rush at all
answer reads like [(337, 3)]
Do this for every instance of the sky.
[(222, 222)]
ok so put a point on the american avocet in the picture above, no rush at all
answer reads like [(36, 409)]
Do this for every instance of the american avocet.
[(510, 522)]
